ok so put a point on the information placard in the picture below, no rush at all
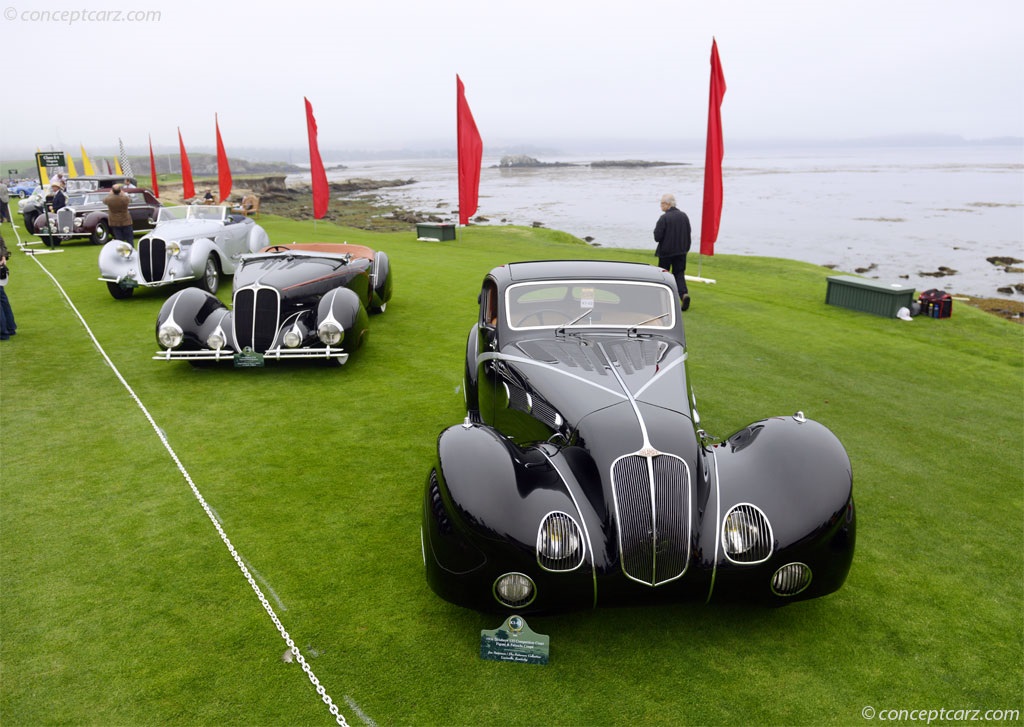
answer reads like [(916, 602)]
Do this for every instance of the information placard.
[(514, 641)]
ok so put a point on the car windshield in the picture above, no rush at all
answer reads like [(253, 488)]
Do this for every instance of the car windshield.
[(589, 304), (82, 185), (96, 198), (192, 212)]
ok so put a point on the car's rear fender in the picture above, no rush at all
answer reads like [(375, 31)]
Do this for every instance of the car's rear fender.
[(258, 239)]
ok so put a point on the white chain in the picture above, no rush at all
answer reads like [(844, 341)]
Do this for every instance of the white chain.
[(339, 718)]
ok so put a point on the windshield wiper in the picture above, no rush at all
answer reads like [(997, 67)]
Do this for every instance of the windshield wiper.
[(651, 320), (577, 319)]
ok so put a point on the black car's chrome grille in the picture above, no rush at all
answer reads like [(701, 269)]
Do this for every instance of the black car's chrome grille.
[(654, 522), (152, 258), (257, 311)]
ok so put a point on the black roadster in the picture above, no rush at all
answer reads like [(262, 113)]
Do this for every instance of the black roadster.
[(581, 475), (289, 301)]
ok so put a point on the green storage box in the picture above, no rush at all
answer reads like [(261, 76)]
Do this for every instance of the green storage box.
[(869, 296), (434, 231)]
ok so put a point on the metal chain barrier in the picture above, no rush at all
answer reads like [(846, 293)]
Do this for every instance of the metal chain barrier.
[(320, 690)]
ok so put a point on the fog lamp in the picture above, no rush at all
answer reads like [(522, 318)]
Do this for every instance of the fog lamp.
[(790, 579), (292, 337), (173, 248), (330, 333), (124, 249), (514, 590), (170, 336), (216, 340)]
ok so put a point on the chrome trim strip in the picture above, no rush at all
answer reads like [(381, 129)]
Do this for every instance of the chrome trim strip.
[(718, 523), (661, 372), (495, 356), (582, 523)]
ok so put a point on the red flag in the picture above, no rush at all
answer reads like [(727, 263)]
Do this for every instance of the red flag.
[(188, 190), (471, 152), (712, 213), (152, 169), (223, 170), (321, 193)]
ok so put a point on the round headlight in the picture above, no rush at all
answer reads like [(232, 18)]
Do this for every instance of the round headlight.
[(330, 333), (169, 335), (746, 535), (216, 340), (173, 248), (514, 590), (124, 249), (292, 338)]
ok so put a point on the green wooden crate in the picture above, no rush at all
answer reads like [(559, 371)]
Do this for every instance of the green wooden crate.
[(434, 231), (869, 296)]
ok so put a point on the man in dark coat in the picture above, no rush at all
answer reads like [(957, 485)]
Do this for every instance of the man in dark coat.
[(672, 233), (118, 217), (56, 199)]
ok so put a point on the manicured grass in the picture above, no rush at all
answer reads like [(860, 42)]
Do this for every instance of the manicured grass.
[(120, 604)]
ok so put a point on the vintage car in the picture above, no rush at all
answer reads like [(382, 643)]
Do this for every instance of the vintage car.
[(581, 475), (190, 242), (23, 188), (35, 204), (85, 216), (289, 301)]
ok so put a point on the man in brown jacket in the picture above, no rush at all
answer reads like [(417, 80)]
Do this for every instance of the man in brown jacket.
[(119, 219)]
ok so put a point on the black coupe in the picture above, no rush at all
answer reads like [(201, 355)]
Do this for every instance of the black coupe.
[(581, 476)]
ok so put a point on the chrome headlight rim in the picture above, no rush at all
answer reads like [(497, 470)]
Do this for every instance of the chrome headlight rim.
[(216, 340), (330, 332), (560, 543), (791, 579), (292, 338), (123, 249), (514, 590), (170, 335), (747, 536), (173, 248)]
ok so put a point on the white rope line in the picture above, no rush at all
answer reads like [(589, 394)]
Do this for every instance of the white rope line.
[(339, 718)]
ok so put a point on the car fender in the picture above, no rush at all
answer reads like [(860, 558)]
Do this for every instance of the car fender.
[(344, 307), (382, 282), (258, 239), (196, 312), (200, 249), (112, 264), (92, 219), (471, 374), (798, 474)]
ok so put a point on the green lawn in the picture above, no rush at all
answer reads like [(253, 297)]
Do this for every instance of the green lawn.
[(120, 604)]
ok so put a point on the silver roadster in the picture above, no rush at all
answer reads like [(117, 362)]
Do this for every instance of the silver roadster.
[(190, 243)]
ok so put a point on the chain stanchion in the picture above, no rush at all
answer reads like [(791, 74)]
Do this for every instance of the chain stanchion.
[(320, 690)]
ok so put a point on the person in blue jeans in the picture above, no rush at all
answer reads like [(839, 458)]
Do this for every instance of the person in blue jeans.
[(7, 325)]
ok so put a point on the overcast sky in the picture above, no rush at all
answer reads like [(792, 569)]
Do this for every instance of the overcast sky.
[(382, 74)]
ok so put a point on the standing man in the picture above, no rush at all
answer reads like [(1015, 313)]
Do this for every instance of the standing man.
[(119, 219), (672, 233), (56, 199), (5, 197)]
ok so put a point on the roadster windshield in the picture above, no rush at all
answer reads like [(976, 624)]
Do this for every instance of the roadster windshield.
[(589, 304), (193, 212)]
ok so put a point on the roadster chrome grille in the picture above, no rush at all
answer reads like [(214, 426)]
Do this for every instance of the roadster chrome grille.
[(652, 506), (152, 259), (257, 311)]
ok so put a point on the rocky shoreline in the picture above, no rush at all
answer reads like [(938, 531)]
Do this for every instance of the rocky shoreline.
[(355, 204)]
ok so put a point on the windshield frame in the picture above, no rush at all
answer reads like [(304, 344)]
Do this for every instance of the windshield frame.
[(579, 299)]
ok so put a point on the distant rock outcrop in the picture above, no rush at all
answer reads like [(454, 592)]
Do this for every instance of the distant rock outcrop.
[(517, 161)]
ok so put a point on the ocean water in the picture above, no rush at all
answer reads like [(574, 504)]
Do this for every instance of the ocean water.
[(896, 213)]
